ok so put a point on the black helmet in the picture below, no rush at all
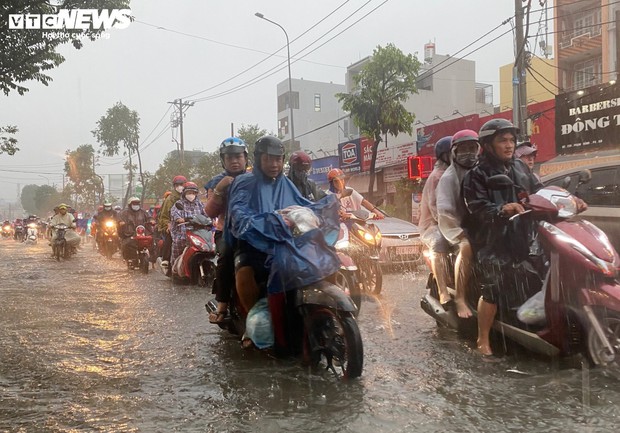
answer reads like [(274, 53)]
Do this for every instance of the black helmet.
[(270, 145), (495, 126), (442, 147)]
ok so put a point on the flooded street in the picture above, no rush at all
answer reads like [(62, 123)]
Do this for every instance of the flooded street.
[(87, 345)]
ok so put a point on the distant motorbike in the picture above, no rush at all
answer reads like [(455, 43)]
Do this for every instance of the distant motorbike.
[(18, 232), (364, 246), (32, 233), (60, 248), (578, 308), (144, 243), (196, 265), (7, 231), (108, 238)]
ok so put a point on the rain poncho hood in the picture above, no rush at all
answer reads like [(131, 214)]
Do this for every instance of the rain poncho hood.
[(294, 261)]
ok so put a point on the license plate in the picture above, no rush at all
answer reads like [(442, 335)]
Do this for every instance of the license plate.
[(405, 251)]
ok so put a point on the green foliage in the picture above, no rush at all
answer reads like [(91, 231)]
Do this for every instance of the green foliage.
[(85, 184), (381, 88), (26, 54), (27, 198), (8, 144), (46, 197), (250, 134)]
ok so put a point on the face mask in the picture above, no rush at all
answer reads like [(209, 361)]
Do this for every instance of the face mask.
[(466, 159), (179, 189), (190, 197), (135, 207)]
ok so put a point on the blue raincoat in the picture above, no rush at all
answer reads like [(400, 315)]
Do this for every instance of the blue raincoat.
[(293, 262)]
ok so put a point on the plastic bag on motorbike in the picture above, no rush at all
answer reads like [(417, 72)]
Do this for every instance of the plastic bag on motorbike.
[(258, 326), (532, 312)]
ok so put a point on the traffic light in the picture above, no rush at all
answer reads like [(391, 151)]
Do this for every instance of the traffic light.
[(419, 167)]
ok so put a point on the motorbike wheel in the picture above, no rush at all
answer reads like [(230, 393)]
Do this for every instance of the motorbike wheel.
[(109, 250), (371, 276), (144, 264), (333, 338), (209, 271), (348, 284), (597, 352), (66, 251)]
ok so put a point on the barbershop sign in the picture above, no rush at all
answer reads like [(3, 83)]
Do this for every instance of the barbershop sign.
[(588, 120)]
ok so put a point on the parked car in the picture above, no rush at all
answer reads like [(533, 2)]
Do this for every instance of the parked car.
[(601, 192), (400, 244)]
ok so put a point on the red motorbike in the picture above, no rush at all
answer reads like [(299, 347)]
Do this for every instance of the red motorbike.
[(144, 244), (579, 307), (196, 265)]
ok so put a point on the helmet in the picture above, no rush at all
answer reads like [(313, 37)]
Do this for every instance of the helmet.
[(133, 199), (334, 173), (179, 180), (463, 136), (494, 126), (525, 148), (190, 186), (443, 147), (270, 145), (300, 160), (62, 206), (107, 203), (233, 145)]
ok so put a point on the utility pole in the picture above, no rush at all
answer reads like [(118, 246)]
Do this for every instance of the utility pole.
[(181, 106), (519, 93)]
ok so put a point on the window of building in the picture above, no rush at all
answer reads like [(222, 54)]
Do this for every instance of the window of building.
[(588, 73), (283, 126), (283, 101), (317, 102)]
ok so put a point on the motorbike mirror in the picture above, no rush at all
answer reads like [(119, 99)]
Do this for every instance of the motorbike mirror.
[(380, 202), (566, 182), (585, 176), (178, 205), (499, 181)]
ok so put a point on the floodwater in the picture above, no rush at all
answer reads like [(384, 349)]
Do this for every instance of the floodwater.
[(86, 345)]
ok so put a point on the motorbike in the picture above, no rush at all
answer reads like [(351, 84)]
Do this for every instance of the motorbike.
[(32, 233), (7, 231), (144, 243), (347, 277), (18, 232), (316, 320), (364, 246), (196, 264), (577, 310), (108, 238), (60, 249)]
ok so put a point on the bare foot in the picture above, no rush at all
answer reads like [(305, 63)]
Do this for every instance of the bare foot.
[(484, 350), (462, 309)]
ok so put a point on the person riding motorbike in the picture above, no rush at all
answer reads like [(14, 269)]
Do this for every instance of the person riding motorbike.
[(502, 245), (430, 235), (64, 217), (105, 214), (525, 153), (349, 202), (234, 159), (164, 222), (32, 219), (129, 219), (451, 211), (257, 231), (300, 164), (190, 206)]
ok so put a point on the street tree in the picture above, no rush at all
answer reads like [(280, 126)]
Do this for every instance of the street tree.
[(8, 143), (27, 198), (27, 54), (46, 198), (209, 166), (120, 128), (385, 82), (80, 169)]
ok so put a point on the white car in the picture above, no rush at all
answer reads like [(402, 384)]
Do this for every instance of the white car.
[(400, 242)]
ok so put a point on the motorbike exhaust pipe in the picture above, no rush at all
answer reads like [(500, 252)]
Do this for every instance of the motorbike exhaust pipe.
[(433, 308)]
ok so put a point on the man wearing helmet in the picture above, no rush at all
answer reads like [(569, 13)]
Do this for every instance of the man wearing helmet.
[(164, 222), (501, 245), (350, 199), (189, 205), (64, 217), (106, 213), (300, 164), (234, 159), (429, 230), (131, 218), (451, 210)]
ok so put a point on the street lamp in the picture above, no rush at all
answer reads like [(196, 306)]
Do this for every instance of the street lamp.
[(290, 85)]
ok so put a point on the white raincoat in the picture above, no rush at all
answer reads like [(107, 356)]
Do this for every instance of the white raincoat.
[(450, 205)]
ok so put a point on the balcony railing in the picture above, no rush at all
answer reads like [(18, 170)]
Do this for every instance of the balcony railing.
[(571, 38)]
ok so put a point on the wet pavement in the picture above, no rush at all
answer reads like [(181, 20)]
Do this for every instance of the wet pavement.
[(87, 345)]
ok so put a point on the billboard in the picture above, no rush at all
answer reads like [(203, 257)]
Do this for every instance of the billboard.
[(320, 168), (355, 155), (588, 119)]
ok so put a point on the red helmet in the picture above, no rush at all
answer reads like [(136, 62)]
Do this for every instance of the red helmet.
[(190, 186), (334, 173), (179, 180), (300, 159), (463, 136)]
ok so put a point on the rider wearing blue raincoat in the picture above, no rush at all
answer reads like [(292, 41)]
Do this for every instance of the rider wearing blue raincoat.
[(269, 258)]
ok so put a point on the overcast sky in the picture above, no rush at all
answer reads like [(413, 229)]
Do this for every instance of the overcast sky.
[(174, 52)]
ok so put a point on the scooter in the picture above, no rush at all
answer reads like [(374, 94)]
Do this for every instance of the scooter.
[(7, 231), (144, 243), (196, 265), (347, 277), (579, 307), (316, 320), (18, 232), (60, 249), (108, 238), (32, 233)]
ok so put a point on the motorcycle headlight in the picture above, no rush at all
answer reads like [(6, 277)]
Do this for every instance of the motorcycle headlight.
[(32, 225), (109, 224)]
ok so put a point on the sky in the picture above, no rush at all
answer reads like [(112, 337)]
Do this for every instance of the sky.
[(196, 48)]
